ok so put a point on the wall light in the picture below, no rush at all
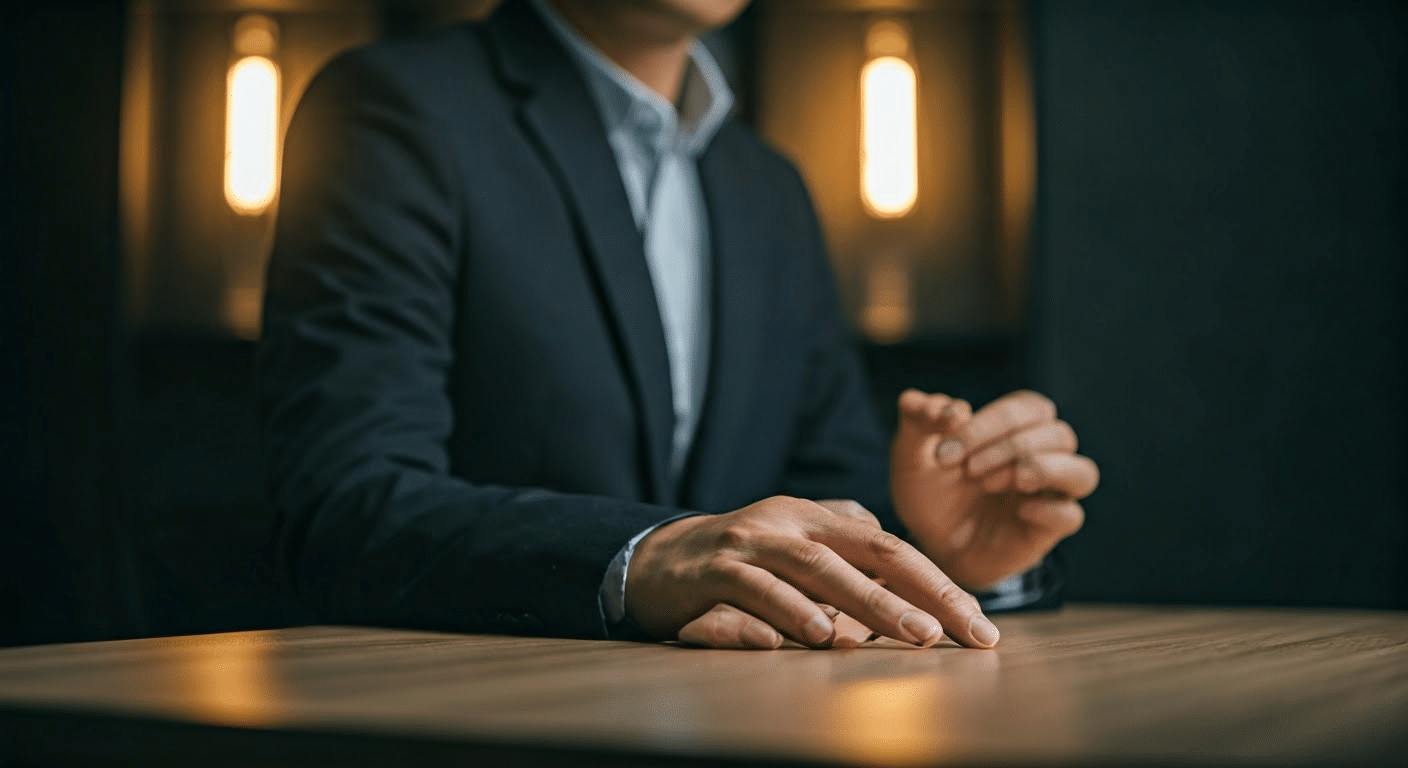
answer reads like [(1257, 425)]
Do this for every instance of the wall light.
[(889, 176), (252, 118), (888, 151)]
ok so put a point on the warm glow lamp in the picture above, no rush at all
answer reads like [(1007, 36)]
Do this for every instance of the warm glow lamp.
[(889, 172), (889, 161), (252, 118)]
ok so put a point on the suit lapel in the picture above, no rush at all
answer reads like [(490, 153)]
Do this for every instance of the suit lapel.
[(560, 117), (740, 310)]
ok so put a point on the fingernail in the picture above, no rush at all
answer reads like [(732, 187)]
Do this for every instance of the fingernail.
[(819, 630), (983, 632), (922, 630), (760, 637), (950, 451)]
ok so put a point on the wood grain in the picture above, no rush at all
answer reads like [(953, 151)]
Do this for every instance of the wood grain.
[(1089, 684)]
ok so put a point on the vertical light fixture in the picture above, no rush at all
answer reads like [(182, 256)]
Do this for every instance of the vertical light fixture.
[(889, 174), (252, 117), (889, 159)]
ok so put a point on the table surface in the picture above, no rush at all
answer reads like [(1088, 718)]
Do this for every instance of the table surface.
[(1091, 684)]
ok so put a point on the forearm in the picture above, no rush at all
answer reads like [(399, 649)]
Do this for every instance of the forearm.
[(414, 548)]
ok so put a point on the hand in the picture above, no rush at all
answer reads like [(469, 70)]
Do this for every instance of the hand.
[(772, 562), (987, 495), (725, 626)]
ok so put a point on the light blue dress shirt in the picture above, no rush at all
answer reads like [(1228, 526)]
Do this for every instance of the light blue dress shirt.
[(657, 146)]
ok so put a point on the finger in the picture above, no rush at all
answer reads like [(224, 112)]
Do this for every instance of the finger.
[(851, 633), (913, 580), (920, 420), (1052, 518), (1050, 437), (920, 408), (1001, 479), (926, 414), (761, 593), (817, 570), (725, 626), (955, 415), (850, 509), (1004, 415), (1067, 475), (1070, 475)]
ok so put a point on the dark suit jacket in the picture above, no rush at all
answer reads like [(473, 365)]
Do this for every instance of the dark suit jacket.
[(464, 384)]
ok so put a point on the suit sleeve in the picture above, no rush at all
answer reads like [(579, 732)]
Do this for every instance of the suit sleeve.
[(357, 346), (838, 449)]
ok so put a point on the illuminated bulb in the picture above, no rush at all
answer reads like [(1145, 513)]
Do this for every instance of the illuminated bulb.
[(251, 135), (889, 155)]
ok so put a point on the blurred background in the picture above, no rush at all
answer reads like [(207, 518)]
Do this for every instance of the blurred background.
[(1184, 221)]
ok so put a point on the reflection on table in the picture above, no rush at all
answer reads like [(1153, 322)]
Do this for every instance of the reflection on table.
[(1089, 684)]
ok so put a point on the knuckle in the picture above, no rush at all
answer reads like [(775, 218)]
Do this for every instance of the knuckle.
[(876, 600), (722, 569), (723, 623), (887, 546), (953, 595), (708, 630), (1021, 444), (736, 535), (694, 634), (1075, 517), (991, 458), (808, 554), (1029, 475), (721, 631), (789, 510), (852, 507), (1094, 473), (1045, 407), (1067, 434), (1036, 402), (776, 593)]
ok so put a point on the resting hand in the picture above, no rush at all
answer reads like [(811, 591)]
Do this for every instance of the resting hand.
[(725, 626), (771, 565), (987, 495)]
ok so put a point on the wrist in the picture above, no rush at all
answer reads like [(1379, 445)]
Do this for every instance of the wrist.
[(654, 553)]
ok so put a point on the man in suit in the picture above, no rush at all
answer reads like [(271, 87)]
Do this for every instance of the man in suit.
[(534, 305)]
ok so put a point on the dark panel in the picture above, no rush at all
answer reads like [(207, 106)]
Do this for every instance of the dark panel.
[(1219, 293), (60, 550), (206, 537)]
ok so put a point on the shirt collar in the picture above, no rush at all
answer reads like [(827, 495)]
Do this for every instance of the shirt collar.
[(626, 104)]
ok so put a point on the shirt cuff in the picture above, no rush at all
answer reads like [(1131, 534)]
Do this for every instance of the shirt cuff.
[(613, 587), (1036, 588)]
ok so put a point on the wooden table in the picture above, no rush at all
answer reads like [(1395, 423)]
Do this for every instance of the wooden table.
[(1104, 685)]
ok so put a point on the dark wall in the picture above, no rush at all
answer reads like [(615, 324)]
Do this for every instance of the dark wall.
[(62, 540), (1220, 284)]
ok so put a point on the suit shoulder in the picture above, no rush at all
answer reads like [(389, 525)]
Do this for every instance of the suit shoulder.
[(750, 154), (432, 65), (743, 143)]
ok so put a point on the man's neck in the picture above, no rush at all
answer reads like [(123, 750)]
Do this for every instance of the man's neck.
[(653, 53)]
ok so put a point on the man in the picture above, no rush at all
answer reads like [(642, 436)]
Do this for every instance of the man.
[(534, 305)]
